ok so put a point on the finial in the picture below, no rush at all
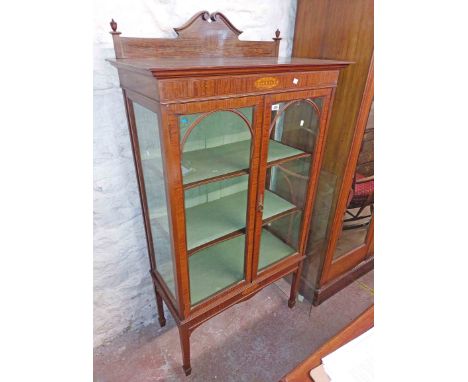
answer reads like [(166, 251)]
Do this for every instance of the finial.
[(113, 25), (277, 33)]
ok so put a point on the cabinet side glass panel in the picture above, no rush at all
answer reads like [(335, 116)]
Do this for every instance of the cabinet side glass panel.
[(147, 126), (216, 151), (295, 127)]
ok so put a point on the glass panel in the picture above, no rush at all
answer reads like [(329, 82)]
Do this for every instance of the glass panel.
[(216, 151), (360, 206), (215, 268), (215, 144), (216, 221), (331, 176), (151, 160), (215, 210), (284, 198), (353, 235), (317, 242), (295, 127)]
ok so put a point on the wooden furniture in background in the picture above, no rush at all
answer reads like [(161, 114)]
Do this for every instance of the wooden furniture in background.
[(359, 326), (337, 255), (227, 141), (360, 205)]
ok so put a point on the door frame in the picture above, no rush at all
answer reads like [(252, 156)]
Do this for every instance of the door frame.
[(171, 113), (316, 161), (335, 268)]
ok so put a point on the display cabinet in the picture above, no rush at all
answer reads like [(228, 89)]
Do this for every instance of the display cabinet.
[(227, 141), (340, 247)]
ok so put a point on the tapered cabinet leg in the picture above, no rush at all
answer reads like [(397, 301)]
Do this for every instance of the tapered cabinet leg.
[(184, 334), (294, 288), (159, 303)]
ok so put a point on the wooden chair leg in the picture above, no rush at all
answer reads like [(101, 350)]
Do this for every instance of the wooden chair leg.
[(184, 335), (159, 304), (294, 288)]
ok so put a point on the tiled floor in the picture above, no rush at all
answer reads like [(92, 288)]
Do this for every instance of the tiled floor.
[(255, 341)]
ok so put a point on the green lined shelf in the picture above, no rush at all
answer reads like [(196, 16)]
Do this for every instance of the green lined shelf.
[(216, 161), (277, 151), (199, 165), (274, 205), (222, 265), (272, 250), (215, 268), (210, 221)]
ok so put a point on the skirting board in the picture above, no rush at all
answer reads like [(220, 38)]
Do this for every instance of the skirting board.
[(334, 286)]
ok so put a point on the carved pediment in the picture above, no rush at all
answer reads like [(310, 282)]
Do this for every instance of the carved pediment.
[(204, 24), (204, 35)]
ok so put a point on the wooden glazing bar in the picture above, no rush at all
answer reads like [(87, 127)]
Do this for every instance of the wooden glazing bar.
[(230, 235), (216, 179), (280, 215), (288, 159)]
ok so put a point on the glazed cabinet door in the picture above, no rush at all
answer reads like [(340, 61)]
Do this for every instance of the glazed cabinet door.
[(217, 146), (356, 229), (292, 141), (352, 237)]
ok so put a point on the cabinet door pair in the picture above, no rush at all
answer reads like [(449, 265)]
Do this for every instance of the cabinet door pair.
[(245, 178)]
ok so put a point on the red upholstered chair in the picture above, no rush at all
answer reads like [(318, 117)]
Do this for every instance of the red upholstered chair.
[(360, 197)]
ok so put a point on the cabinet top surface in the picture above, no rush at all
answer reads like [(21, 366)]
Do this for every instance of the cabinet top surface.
[(201, 66)]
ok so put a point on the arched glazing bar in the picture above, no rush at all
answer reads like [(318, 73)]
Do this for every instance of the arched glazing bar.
[(288, 104), (216, 150), (294, 128), (203, 116), (216, 145)]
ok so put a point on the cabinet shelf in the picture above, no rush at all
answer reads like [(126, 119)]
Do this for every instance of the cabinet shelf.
[(272, 250), (279, 152), (214, 162), (221, 265), (225, 161), (223, 218)]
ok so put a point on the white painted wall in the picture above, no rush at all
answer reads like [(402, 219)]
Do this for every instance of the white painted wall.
[(123, 294)]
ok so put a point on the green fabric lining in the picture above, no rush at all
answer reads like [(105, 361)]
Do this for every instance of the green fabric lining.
[(220, 160), (272, 250), (209, 221), (221, 265)]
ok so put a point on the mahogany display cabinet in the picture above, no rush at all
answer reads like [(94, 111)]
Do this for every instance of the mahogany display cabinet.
[(227, 141), (340, 248)]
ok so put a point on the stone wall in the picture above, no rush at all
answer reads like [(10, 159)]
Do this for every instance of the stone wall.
[(123, 294)]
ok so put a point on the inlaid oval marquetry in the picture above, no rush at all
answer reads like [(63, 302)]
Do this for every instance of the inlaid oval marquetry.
[(266, 83)]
